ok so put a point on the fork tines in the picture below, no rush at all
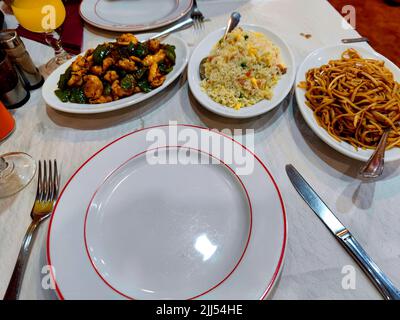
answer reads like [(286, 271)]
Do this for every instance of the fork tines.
[(198, 23), (197, 16), (48, 181)]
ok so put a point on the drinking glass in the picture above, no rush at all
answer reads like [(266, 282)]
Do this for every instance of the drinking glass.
[(16, 171), (17, 168), (44, 16)]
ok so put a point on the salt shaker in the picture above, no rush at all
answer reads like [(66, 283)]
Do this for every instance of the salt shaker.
[(12, 44)]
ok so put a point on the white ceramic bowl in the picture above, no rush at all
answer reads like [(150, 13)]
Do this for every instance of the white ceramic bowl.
[(50, 85), (281, 90), (318, 58)]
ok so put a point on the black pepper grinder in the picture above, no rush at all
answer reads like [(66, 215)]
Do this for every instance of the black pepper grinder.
[(16, 51), (12, 90)]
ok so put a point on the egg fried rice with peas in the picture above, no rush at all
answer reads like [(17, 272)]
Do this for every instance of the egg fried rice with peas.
[(242, 69)]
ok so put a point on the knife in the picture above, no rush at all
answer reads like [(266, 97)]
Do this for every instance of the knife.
[(343, 235), (353, 40)]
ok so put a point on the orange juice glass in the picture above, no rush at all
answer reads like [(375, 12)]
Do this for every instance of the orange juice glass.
[(44, 16), (35, 15)]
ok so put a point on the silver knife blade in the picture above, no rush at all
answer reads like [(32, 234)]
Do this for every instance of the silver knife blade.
[(353, 40), (378, 277), (314, 201)]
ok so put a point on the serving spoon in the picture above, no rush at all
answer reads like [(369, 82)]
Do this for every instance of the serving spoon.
[(233, 21), (375, 164)]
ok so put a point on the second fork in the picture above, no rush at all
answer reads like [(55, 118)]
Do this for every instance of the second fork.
[(46, 194), (197, 16)]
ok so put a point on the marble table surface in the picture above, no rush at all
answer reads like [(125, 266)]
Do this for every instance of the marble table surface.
[(316, 265)]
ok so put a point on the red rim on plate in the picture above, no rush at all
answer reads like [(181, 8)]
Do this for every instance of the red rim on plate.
[(281, 257), (137, 155)]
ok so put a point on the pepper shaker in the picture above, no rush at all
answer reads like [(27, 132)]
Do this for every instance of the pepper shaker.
[(12, 44)]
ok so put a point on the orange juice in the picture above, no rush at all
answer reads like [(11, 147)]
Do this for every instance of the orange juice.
[(39, 15), (6, 122)]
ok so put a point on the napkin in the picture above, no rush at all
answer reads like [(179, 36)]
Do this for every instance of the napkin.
[(72, 29)]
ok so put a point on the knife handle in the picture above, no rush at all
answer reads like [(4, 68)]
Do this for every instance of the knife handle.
[(378, 277)]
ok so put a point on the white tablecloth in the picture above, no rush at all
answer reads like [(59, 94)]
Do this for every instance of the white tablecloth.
[(314, 260)]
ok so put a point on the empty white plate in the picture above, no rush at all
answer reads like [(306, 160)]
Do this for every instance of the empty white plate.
[(137, 15), (144, 219), (192, 227)]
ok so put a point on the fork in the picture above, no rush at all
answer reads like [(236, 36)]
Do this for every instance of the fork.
[(197, 16), (46, 195)]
